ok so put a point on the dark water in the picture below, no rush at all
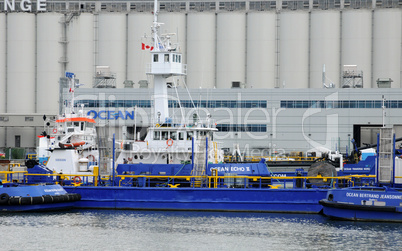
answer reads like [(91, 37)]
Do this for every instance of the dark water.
[(149, 230)]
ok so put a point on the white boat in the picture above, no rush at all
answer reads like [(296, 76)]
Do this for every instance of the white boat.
[(68, 143), (168, 141)]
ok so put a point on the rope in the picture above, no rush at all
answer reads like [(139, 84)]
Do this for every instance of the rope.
[(168, 181)]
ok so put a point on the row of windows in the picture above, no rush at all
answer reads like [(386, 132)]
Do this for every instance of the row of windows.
[(241, 127), (115, 103), (165, 135), (175, 103), (219, 103), (340, 104), (245, 103), (175, 58)]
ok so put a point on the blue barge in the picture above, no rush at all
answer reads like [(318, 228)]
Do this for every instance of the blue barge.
[(201, 199)]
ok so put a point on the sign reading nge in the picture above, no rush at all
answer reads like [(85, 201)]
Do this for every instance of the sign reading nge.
[(25, 5)]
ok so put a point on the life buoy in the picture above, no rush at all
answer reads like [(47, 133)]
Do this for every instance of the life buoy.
[(54, 130), (45, 163), (91, 157), (77, 180), (157, 125), (169, 142)]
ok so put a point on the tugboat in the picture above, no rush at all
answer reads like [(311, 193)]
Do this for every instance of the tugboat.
[(68, 143), (380, 203), (41, 197)]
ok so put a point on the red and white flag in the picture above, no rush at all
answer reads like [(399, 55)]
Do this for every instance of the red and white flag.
[(146, 47)]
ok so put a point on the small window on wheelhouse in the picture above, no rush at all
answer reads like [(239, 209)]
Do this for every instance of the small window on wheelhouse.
[(156, 58), (165, 135), (181, 135), (173, 135), (189, 135), (157, 135), (166, 57)]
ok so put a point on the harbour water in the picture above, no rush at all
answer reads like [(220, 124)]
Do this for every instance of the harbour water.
[(157, 230)]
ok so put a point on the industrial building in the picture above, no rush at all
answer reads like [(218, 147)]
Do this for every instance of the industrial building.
[(289, 67)]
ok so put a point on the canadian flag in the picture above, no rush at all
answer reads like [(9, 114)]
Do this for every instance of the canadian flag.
[(146, 47)]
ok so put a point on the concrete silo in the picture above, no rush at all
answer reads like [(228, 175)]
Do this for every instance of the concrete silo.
[(49, 70), (387, 45), (201, 45), (324, 48), (3, 54), (21, 52), (356, 42), (112, 44), (261, 48), (80, 48), (294, 45), (230, 49)]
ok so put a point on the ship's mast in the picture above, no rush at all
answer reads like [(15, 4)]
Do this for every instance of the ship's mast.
[(71, 85), (165, 62)]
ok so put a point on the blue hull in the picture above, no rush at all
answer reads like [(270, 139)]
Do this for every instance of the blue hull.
[(38, 208), (364, 204), (203, 199), (341, 212), (35, 198)]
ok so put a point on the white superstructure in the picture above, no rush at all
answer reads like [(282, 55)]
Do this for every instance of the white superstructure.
[(169, 141), (69, 143)]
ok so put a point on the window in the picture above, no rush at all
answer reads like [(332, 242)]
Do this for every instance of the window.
[(17, 140), (189, 135), (166, 58), (181, 135), (157, 135), (173, 135), (165, 135), (156, 57)]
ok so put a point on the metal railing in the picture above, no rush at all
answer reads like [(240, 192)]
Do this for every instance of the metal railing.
[(213, 181), (245, 182), (229, 158), (22, 177)]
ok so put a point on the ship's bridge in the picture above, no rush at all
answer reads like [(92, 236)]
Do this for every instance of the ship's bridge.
[(167, 62)]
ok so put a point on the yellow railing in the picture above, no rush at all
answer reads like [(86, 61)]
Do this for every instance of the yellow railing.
[(270, 158), (6, 175), (62, 176), (213, 179), (32, 156)]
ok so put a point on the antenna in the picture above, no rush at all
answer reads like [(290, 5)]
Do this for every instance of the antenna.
[(383, 111), (324, 77)]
